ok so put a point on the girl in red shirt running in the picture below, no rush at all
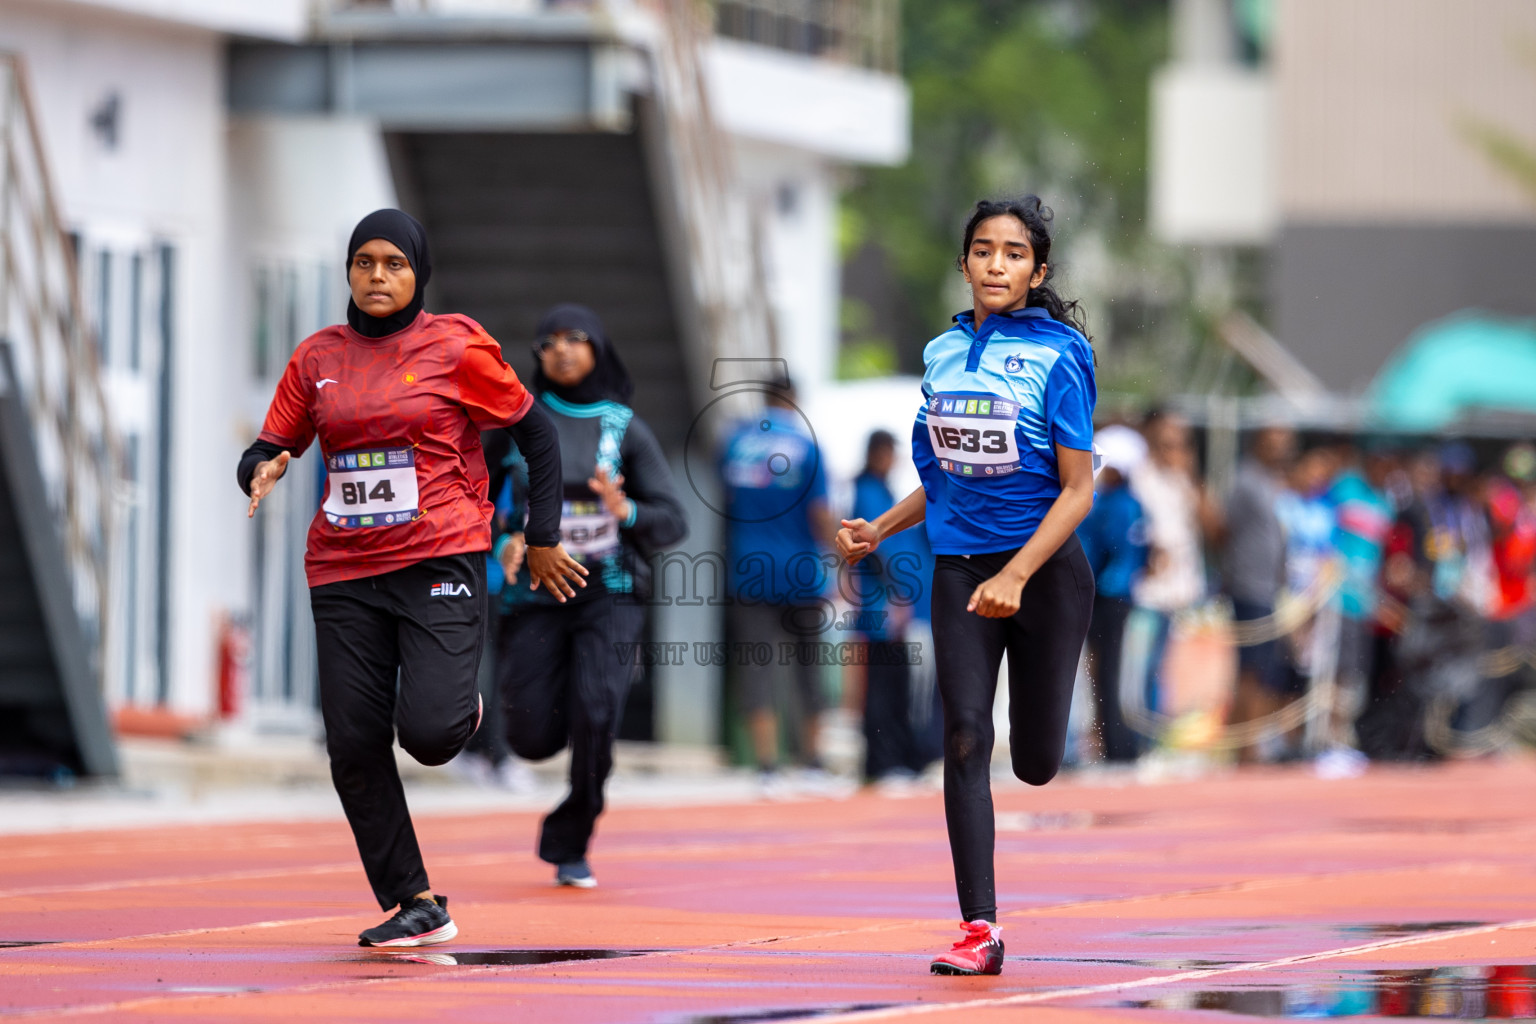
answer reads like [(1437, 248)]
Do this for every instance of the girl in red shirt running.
[(396, 555)]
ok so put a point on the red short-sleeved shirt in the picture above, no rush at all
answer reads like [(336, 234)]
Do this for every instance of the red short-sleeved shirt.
[(399, 421)]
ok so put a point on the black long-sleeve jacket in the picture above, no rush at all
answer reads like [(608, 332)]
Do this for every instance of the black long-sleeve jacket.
[(616, 553)]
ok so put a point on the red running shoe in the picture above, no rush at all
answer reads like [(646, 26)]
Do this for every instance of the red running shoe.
[(980, 952)]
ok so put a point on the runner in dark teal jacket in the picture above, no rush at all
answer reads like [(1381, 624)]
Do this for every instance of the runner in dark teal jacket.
[(561, 669)]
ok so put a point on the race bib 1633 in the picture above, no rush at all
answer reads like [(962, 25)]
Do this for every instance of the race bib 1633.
[(973, 435)]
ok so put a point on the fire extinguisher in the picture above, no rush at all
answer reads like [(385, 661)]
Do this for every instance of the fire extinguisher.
[(234, 664)]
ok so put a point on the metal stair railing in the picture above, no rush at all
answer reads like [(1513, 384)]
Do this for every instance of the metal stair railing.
[(719, 232), (55, 363), (859, 32), (714, 233)]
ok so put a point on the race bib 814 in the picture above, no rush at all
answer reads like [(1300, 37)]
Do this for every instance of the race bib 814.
[(372, 488), (973, 435)]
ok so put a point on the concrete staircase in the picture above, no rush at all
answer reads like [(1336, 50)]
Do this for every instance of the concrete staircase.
[(59, 465), (519, 222)]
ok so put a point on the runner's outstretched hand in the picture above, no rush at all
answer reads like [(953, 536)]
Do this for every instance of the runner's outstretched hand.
[(856, 539), (610, 490), (512, 555), (265, 478), (556, 569)]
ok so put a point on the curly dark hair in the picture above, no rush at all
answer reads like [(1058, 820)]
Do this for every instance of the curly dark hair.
[(1036, 218)]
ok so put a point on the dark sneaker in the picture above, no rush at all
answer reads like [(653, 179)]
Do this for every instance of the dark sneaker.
[(577, 874), (980, 952), (418, 922)]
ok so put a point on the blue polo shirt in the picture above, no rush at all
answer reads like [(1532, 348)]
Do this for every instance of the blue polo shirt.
[(900, 573), (1114, 537), (996, 401), (772, 471)]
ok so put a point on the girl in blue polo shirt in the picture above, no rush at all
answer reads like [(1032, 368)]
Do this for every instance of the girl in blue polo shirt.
[(1004, 445)]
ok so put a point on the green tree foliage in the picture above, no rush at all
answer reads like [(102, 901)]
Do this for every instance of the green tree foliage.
[(1508, 152), (1008, 96), (1512, 155)]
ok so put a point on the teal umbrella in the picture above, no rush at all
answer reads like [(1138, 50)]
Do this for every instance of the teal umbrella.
[(1468, 362)]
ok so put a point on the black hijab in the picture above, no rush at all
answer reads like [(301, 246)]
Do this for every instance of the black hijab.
[(608, 379), (407, 233)]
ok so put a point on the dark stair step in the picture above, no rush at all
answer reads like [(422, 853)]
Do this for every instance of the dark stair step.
[(519, 222)]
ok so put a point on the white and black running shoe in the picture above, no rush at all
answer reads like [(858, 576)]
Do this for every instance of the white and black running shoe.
[(576, 874), (418, 922)]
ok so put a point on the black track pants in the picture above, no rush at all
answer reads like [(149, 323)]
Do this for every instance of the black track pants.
[(1106, 638), (564, 672), (1043, 642), (889, 741), (398, 652)]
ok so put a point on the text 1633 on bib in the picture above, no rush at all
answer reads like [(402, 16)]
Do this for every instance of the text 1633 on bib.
[(371, 488), (973, 435)]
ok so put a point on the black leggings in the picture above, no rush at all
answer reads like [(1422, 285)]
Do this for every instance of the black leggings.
[(398, 655), (564, 671), (1106, 639), (1043, 642)]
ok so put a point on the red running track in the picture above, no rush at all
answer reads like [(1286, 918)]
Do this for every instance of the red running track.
[(1408, 891)]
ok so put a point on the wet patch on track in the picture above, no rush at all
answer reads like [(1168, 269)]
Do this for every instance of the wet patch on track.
[(1155, 963), (786, 1013), (499, 957), (1064, 821), (1393, 931), (1474, 992)]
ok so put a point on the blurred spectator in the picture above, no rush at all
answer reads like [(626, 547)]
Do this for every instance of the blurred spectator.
[(778, 527), (1391, 727), (885, 587), (1512, 525), (1254, 567), (1306, 516), (1512, 538), (1307, 519), (1176, 513), (1114, 537), (1437, 572), (1362, 518), (487, 759)]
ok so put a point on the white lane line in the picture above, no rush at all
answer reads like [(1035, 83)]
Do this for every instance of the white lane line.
[(895, 1012), (478, 860), (171, 880), (90, 1009), (1159, 980), (633, 891), (475, 860), (1152, 980)]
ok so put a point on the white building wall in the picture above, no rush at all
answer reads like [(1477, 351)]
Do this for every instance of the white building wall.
[(795, 194), (793, 120), (1212, 161), (1385, 109), (165, 169), (162, 182), (276, 19), (233, 201), (842, 112), (298, 185)]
